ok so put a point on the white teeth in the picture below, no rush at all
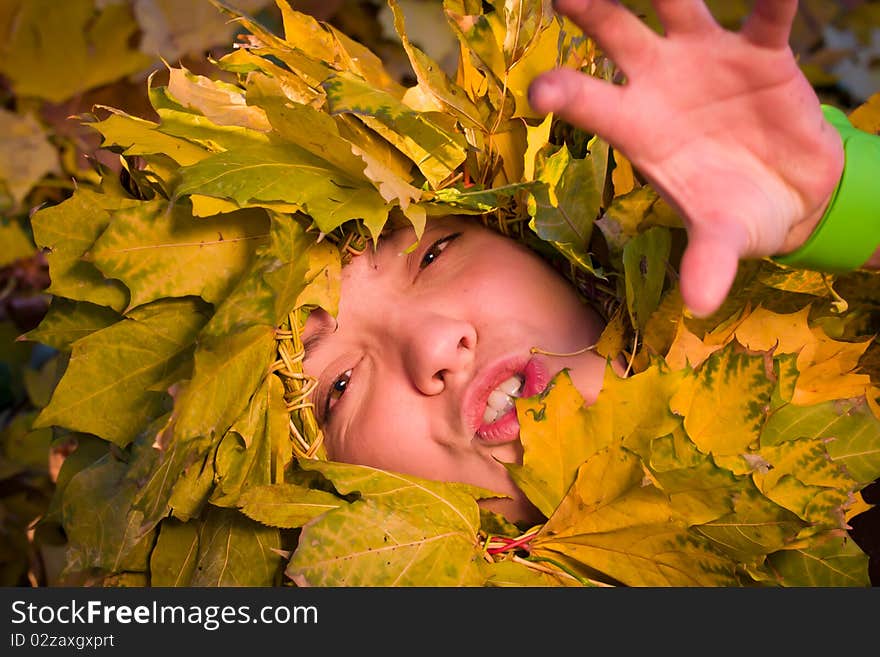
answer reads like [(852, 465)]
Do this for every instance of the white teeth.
[(512, 386), (501, 399), (498, 399)]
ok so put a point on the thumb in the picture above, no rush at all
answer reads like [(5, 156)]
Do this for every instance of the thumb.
[(580, 99), (708, 268)]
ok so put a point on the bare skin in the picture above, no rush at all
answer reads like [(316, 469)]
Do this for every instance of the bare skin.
[(408, 370), (723, 124), (725, 127)]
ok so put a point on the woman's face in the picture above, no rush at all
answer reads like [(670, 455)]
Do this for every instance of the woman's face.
[(417, 372)]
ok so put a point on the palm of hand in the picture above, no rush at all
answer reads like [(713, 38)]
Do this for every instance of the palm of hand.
[(726, 146), (724, 125)]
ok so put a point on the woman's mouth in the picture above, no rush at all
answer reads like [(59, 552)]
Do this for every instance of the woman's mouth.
[(501, 400), (498, 423)]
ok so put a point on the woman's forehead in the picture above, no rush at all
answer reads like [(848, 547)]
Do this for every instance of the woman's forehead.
[(401, 236), (401, 239), (371, 264)]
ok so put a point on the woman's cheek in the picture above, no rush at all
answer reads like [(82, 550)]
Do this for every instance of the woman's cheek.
[(382, 433)]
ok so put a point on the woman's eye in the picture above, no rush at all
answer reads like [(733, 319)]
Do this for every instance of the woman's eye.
[(436, 249), (337, 389)]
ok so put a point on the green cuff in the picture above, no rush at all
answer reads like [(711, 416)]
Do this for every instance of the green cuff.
[(849, 233)]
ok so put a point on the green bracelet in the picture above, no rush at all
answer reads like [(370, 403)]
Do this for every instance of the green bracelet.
[(849, 232)]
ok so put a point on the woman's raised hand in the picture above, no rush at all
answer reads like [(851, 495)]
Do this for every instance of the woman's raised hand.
[(723, 124)]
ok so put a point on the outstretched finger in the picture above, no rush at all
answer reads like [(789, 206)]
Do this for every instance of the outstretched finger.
[(769, 24), (684, 16), (621, 34), (708, 268), (584, 101)]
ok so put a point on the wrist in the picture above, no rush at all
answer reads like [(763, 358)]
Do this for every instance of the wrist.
[(801, 232), (845, 235)]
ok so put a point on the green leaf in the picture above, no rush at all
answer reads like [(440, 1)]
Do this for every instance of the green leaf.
[(173, 560), (235, 551), (298, 266), (323, 42), (514, 573), (106, 389), (285, 173), (403, 531), (481, 200), (67, 321), (633, 213), (645, 258), (102, 529), (436, 151), (256, 450), (565, 208), (290, 270), (754, 528), (192, 489), (368, 543), (162, 473), (68, 230), (852, 431), (835, 562), (87, 451), (40, 382), (433, 80), (208, 405), (304, 126), (140, 137), (449, 502), (800, 281), (160, 250), (250, 303), (201, 130), (286, 505), (698, 489), (799, 476), (220, 102)]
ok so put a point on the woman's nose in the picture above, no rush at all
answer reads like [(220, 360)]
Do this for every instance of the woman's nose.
[(440, 349)]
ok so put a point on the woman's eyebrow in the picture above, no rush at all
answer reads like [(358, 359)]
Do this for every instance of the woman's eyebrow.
[(313, 341)]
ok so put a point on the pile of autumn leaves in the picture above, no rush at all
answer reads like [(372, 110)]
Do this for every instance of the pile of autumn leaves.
[(734, 460), (732, 455)]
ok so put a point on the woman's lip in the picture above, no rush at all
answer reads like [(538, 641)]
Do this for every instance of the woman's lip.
[(506, 428)]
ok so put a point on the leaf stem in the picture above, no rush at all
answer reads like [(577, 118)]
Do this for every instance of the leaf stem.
[(499, 544), (839, 305), (538, 350), (632, 356), (532, 562)]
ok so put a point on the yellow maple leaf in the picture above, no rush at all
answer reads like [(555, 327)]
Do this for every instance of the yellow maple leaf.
[(688, 349), (827, 370), (764, 330)]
